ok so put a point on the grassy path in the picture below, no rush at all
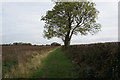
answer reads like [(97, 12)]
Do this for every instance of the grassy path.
[(56, 65)]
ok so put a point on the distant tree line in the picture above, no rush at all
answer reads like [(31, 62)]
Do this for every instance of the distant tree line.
[(17, 43), (21, 43)]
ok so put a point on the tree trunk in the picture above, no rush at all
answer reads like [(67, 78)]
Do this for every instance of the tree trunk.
[(67, 37), (67, 41)]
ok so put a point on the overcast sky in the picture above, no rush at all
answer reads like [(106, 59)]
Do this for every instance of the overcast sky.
[(21, 23)]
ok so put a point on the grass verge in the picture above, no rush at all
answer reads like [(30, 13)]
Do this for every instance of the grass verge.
[(56, 65)]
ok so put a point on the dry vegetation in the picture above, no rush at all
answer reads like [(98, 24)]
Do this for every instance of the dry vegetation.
[(20, 61), (98, 60)]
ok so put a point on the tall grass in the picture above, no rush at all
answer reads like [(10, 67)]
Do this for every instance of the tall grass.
[(20, 61), (24, 70)]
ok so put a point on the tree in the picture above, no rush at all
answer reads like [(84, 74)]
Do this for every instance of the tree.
[(55, 44), (68, 18)]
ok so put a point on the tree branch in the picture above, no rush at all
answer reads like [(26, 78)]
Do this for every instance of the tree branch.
[(74, 29), (63, 39)]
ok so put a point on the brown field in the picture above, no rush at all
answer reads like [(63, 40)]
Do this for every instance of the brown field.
[(11, 52), (17, 59)]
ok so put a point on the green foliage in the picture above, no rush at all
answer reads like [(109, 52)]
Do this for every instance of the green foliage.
[(55, 44), (7, 65), (68, 18)]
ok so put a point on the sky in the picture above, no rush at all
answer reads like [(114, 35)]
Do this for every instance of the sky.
[(21, 23)]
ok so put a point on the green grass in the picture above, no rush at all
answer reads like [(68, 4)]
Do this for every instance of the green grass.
[(56, 65), (7, 65)]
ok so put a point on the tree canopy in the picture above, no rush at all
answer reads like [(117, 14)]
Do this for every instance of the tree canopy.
[(70, 18)]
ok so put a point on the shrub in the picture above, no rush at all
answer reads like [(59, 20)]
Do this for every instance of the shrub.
[(55, 44), (95, 60)]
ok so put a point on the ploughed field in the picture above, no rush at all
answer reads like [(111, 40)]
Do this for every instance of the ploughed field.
[(9, 53)]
